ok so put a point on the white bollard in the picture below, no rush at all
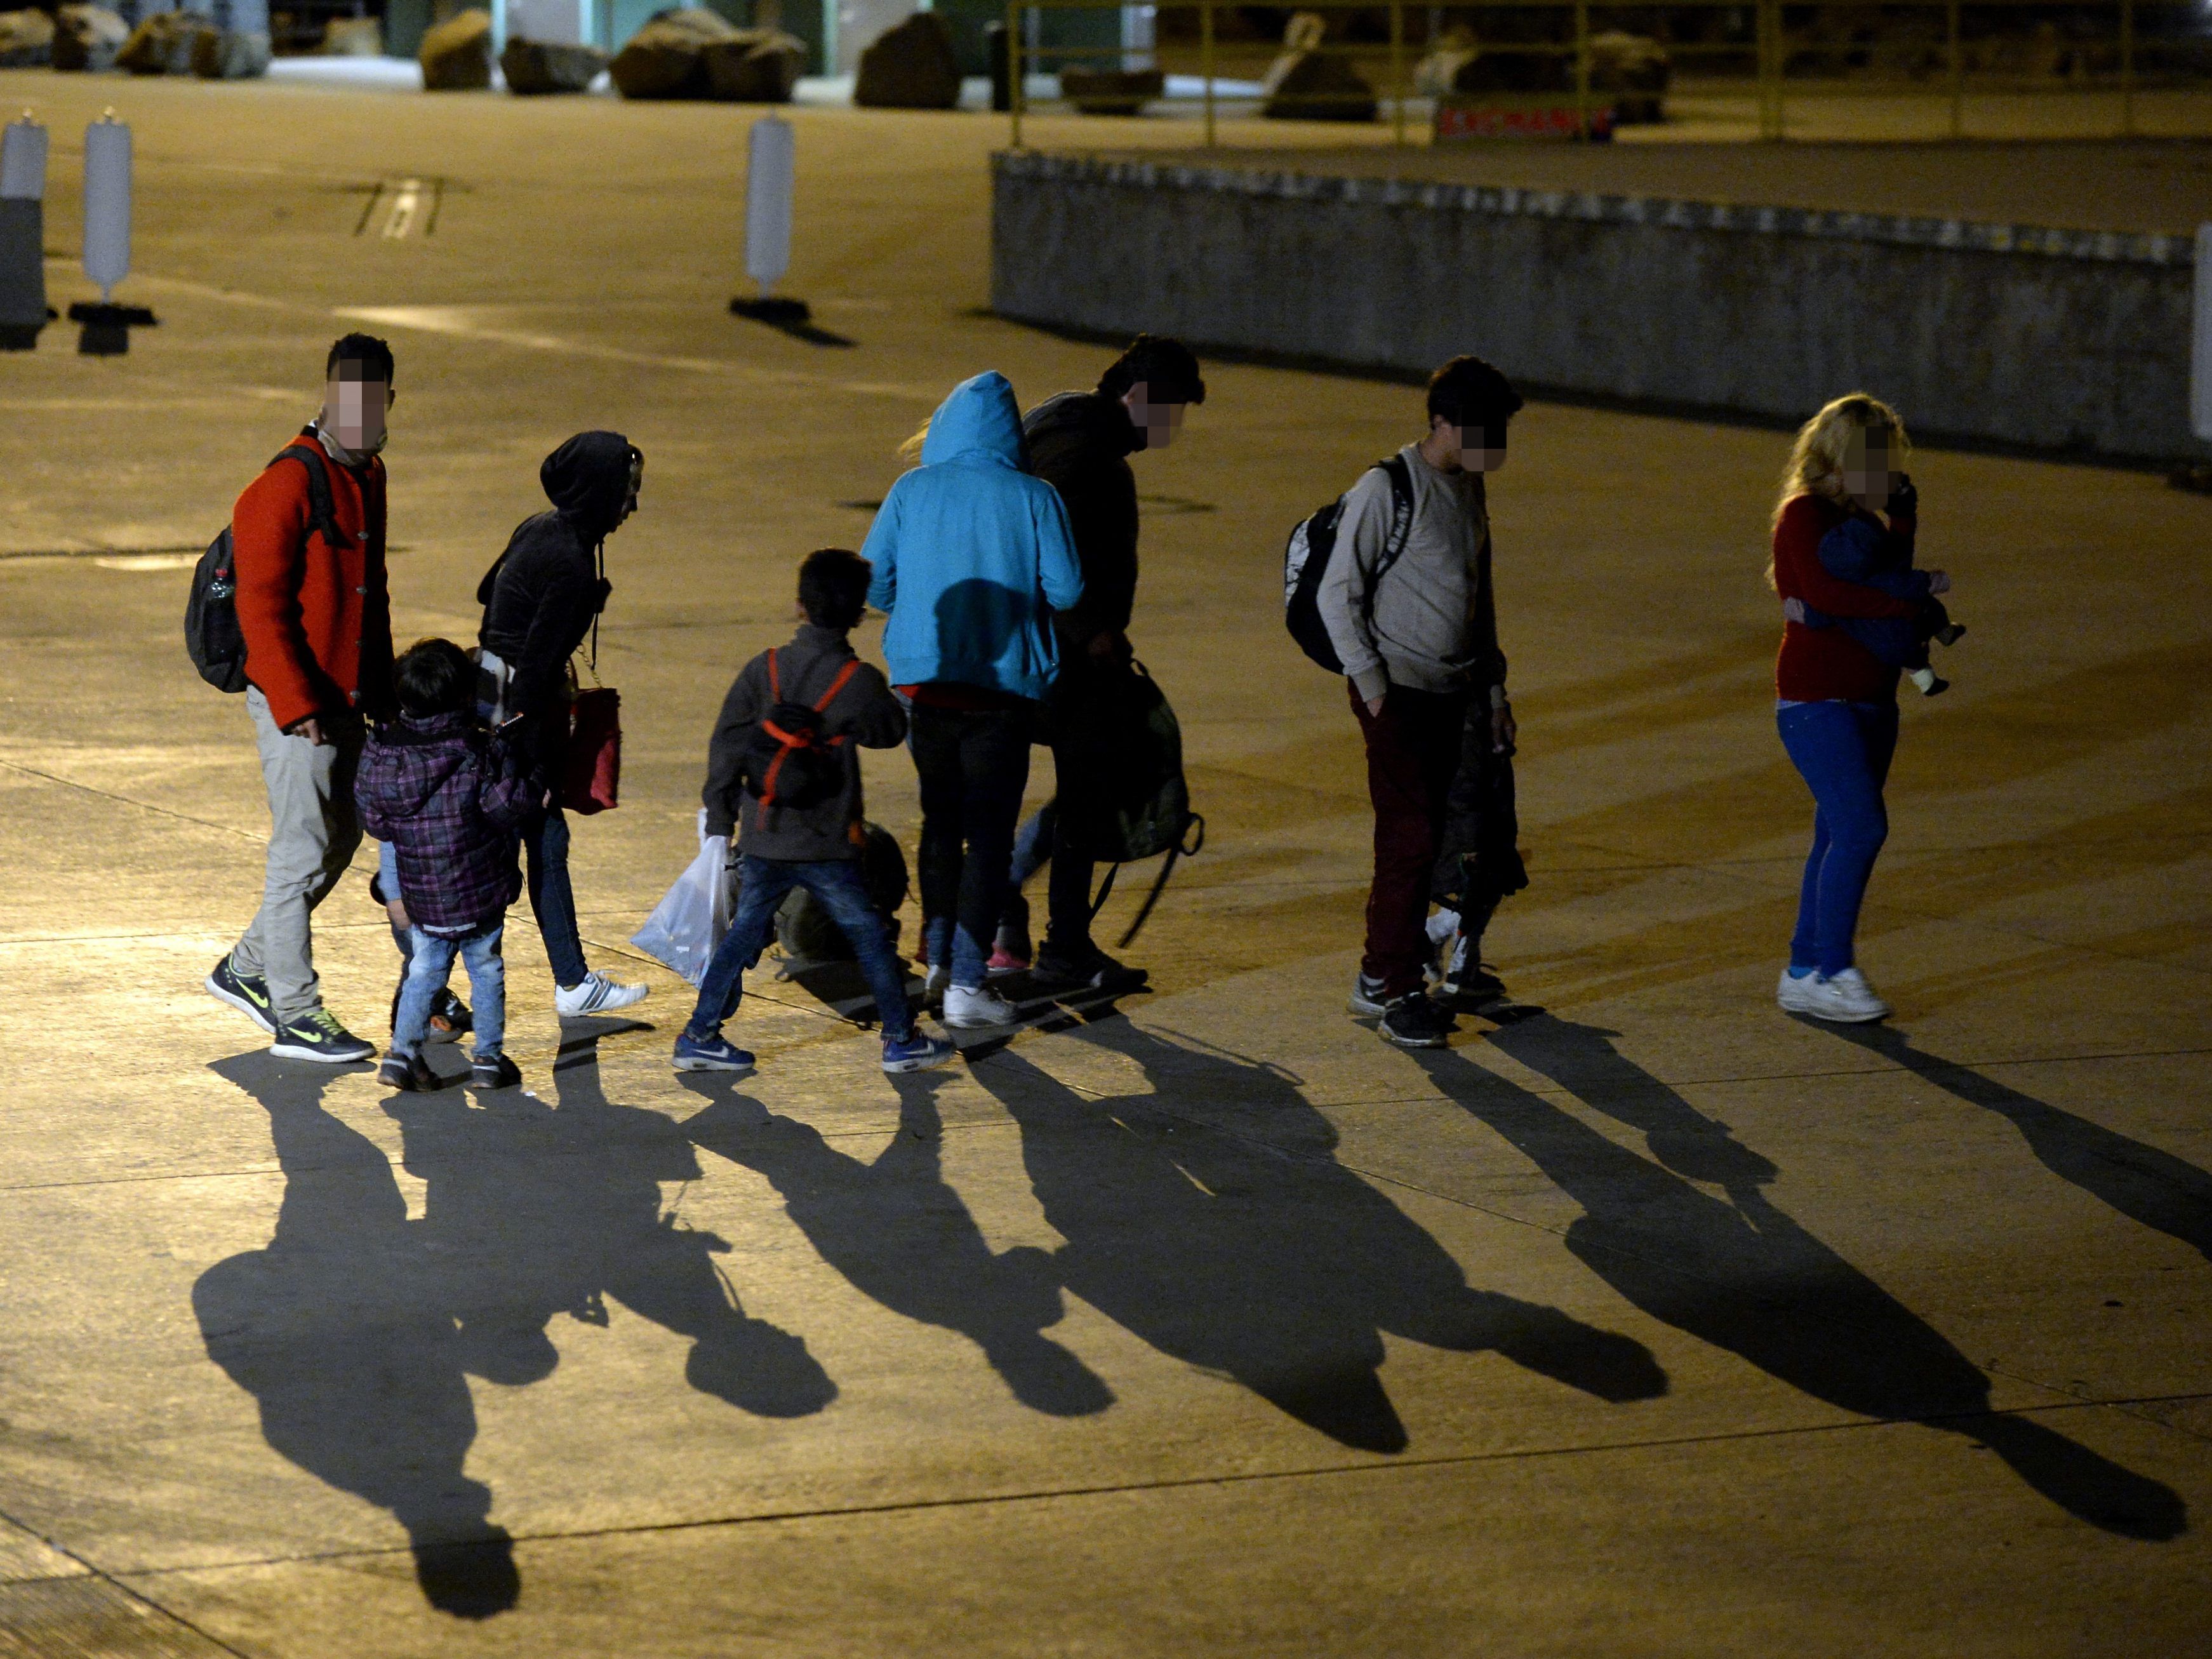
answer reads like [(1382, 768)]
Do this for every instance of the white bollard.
[(2200, 356), (23, 160), (22, 234), (770, 166), (107, 203)]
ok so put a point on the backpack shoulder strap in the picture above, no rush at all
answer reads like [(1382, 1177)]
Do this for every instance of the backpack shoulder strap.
[(844, 678), (1401, 475), (774, 679), (322, 512)]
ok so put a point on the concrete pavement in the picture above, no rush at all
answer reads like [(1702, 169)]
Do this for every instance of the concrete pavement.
[(1658, 1323)]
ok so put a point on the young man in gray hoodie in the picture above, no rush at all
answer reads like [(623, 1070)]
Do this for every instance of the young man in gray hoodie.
[(1417, 637)]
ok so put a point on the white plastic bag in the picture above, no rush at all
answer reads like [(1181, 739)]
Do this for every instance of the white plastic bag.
[(690, 921)]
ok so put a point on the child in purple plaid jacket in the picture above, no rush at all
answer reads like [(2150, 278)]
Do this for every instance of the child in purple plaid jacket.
[(450, 798)]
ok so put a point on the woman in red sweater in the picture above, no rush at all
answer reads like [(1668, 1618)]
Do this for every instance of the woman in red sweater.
[(1837, 707)]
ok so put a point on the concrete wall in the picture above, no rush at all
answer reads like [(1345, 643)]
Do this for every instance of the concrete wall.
[(2069, 340)]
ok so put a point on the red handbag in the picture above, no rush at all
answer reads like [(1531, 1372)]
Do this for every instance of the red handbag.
[(592, 779)]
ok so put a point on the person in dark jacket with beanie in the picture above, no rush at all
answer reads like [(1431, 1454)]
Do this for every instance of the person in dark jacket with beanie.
[(1080, 442), (540, 598), (797, 830), (448, 797)]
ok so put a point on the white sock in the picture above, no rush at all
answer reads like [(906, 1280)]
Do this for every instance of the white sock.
[(1922, 678), (1442, 926)]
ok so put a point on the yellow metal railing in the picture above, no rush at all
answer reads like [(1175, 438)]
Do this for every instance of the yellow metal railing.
[(1771, 53)]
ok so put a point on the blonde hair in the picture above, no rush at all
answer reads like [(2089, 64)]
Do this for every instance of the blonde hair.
[(909, 449), (1816, 459)]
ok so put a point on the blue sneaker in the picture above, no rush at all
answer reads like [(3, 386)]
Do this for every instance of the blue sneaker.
[(710, 1054), (916, 1052), (249, 996)]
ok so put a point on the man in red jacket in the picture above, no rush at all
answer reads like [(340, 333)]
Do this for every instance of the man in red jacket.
[(316, 617)]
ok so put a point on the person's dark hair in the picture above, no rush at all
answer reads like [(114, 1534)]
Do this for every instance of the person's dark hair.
[(434, 677), (1468, 391), (832, 587), (358, 357), (1166, 366)]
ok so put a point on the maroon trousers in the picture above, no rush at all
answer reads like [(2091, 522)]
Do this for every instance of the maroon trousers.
[(1412, 754)]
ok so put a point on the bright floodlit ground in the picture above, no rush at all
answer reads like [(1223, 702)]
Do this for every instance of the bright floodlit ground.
[(1656, 1323)]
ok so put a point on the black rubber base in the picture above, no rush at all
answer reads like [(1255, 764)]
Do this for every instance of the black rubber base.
[(107, 327), (783, 314)]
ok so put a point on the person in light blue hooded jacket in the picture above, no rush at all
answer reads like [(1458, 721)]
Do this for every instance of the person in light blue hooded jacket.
[(972, 556)]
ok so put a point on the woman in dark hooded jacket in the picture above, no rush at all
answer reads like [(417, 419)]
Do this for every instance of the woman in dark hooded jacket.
[(540, 598)]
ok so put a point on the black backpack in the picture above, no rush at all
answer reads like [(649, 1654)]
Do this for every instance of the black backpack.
[(212, 638), (805, 929), (1305, 562), (1121, 791), (785, 760)]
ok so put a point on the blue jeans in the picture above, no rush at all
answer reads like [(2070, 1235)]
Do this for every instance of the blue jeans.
[(1842, 750), (546, 843), (1068, 889), (762, 885), (430, 963)]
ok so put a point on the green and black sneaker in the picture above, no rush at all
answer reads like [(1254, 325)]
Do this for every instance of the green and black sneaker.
[(249, 996), (320, 1037)]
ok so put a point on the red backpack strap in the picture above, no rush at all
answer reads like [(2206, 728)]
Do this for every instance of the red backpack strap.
[(844, 677), (775, 680)]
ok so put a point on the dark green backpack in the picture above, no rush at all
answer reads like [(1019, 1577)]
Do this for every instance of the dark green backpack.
[(1123, 795), (805, 929)]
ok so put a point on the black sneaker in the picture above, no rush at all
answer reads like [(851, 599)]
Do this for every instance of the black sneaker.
[(1466, 983), (407, 1074), (1416, 1022), (320, 1037), (496, 1072), (450, 1018), (1367, 1001), (250, 996), (1089, 970)]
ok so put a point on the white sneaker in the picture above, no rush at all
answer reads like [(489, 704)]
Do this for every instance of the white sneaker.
[(967, 1010), (1846, 998), (1794, 993), (595, 994)]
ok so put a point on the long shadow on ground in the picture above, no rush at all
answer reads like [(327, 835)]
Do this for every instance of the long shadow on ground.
[(1210, 1219), (1736, 1272), (899, 1233), (340, 1330), (356, 1329), (2161, 1191)]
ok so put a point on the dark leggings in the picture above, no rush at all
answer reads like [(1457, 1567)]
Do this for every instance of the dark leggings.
[(973, 766)]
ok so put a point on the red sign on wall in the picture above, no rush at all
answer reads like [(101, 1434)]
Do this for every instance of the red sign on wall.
[(1521, 121)]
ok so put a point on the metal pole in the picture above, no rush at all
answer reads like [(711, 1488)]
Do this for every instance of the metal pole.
[(1582, 68), (1206, 62), (1397, 72), (1772, 118), (2127, 68), (1015, 73), (1957, 73)]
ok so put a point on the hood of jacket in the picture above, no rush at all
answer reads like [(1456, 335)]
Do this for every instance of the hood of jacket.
[(422, 755), (587, 480), (980, 422), (1089, 420)]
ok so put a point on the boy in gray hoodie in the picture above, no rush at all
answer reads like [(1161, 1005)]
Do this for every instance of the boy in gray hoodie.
[(1417, 633), (783, 771)]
